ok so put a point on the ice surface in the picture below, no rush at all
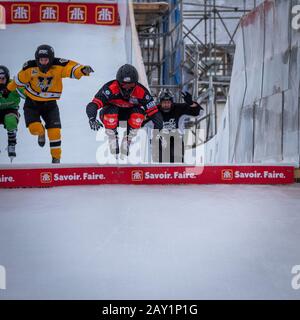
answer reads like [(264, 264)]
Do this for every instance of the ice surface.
[(158, 242)]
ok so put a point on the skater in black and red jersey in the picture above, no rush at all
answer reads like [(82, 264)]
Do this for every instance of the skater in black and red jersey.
[(123, 99)]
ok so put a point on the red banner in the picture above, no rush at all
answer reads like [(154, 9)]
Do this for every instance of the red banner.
[(60, 176), (86, 13)]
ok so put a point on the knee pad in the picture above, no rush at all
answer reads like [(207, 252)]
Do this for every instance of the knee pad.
[(136, 120), (110, 121), (11, 122), (54, 135), (36, 128)]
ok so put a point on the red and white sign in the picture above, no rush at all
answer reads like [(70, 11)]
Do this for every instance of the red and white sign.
[(227, 174), (137, 175), (43, 12), (49, 13), (59, 176), (20, 13), (77, 13), (46, 177), (104, 14)]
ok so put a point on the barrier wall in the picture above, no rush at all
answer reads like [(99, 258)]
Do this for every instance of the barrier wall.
[(84, 175), (261, 117)]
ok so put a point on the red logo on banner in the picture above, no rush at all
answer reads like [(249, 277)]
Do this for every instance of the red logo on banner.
[(137, 175), (20, 12), (77, 13), (49, 13), (105, 15), (46, 177), (227, 174)]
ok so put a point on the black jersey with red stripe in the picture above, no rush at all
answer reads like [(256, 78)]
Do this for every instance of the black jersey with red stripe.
[(111, 94)]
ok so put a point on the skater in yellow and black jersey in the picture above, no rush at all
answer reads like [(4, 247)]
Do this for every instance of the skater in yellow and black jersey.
[(42, 81)]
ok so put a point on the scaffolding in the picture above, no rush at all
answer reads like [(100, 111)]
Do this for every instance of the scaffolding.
[(160, 36), (182, 48)]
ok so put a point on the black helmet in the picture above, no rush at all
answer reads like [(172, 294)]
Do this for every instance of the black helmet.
[(4, 71), (127, 73), (166, 95), (44, 51)]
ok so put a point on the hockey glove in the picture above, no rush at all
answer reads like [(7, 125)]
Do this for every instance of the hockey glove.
[(95, 124), (187, 97), (86, 70)]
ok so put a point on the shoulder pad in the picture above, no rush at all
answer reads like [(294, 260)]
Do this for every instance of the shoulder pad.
[(29, 64), (113, 86), (111, 82), (60, 62), (142, 93), (144, 88)]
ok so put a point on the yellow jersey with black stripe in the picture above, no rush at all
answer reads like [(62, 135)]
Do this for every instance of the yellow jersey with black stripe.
[(41, 86)]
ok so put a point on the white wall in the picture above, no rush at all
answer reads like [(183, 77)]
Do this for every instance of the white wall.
[(261, 117)]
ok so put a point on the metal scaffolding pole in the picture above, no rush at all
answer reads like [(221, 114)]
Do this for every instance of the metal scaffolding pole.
[(182, 49)]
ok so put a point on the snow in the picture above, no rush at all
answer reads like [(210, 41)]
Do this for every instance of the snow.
[(159, 242)]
